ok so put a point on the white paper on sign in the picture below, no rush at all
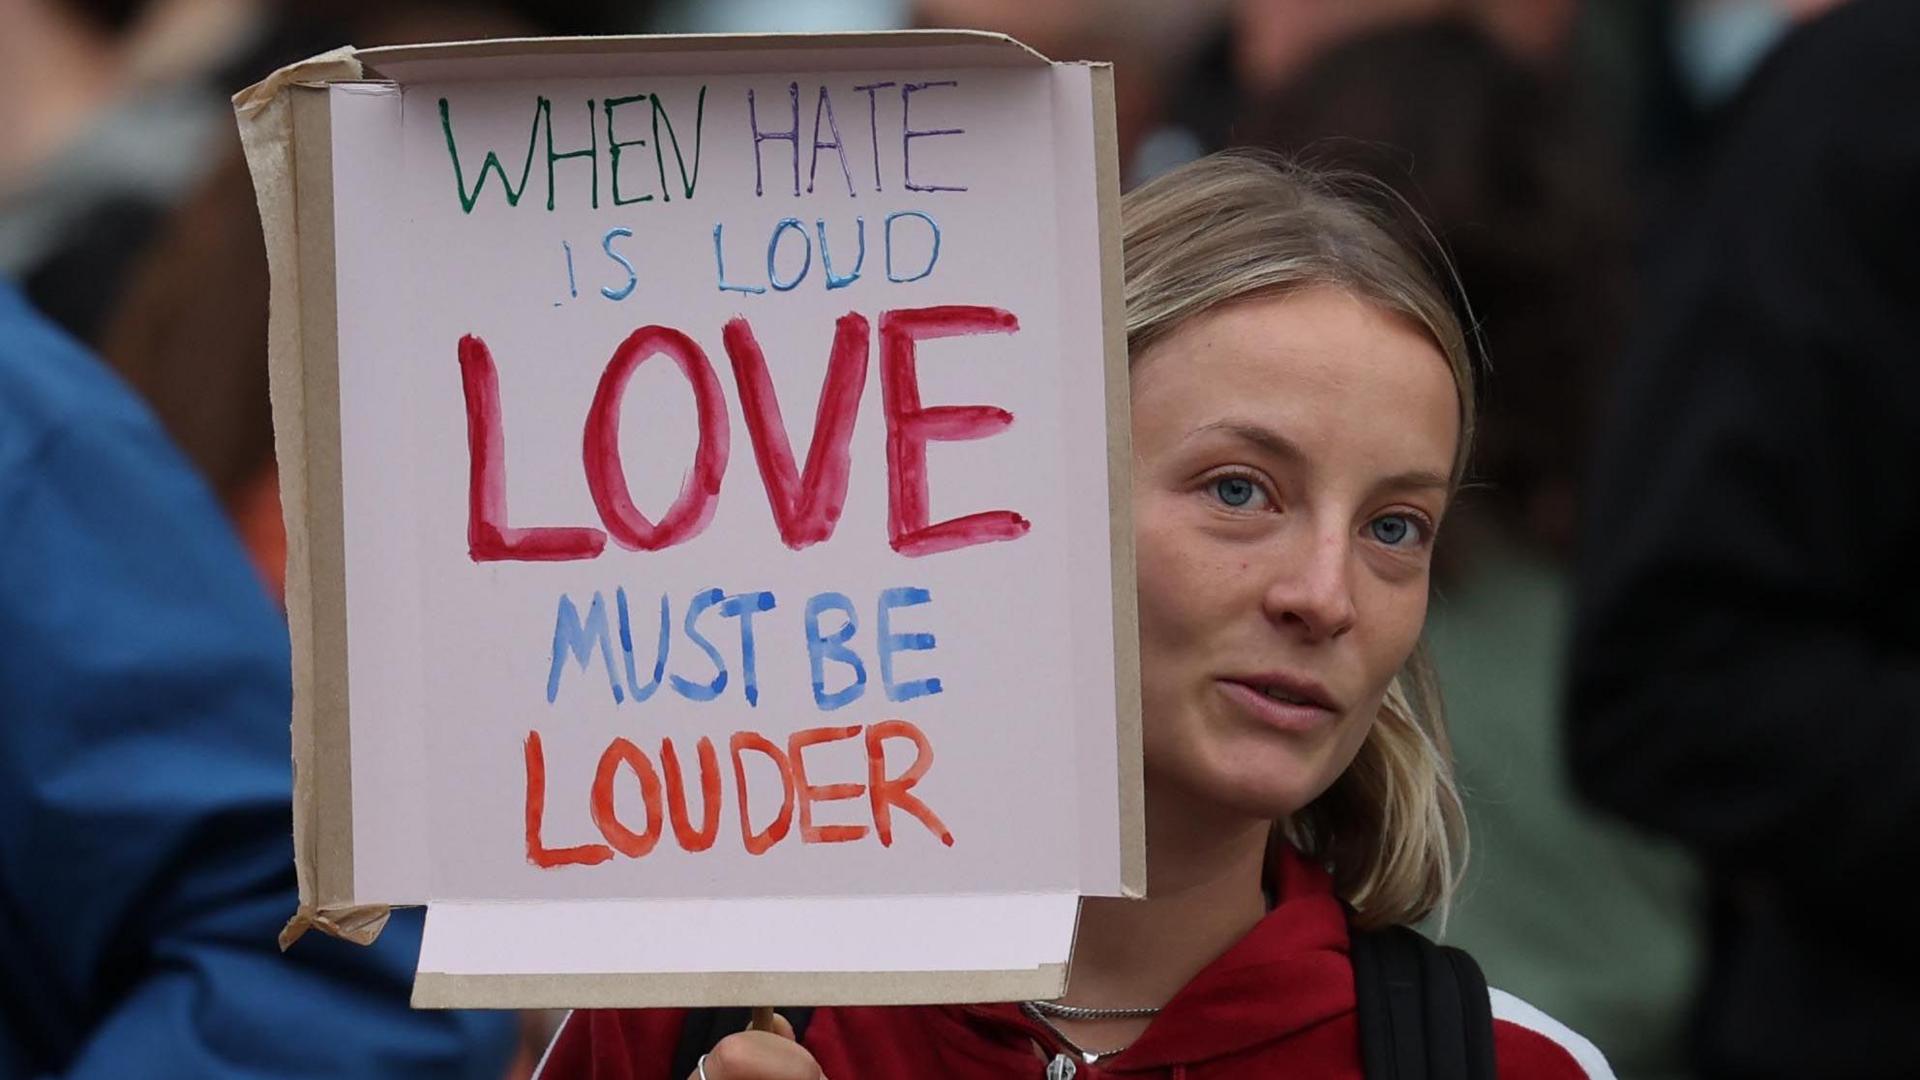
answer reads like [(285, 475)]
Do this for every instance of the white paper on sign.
[(946, 933)]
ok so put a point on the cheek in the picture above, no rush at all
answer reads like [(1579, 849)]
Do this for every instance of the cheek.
[(1398, 620), (1351, 738), (1162, 564), (1397, 614), (1184, 592), (1175, 617)]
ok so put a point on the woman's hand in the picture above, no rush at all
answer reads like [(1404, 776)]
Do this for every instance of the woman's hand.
[(761, 1055)]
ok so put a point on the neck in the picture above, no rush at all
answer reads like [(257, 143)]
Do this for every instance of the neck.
[(1204, 892)]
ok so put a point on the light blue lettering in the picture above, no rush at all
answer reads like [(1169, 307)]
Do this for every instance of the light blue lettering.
[(823, 647), (606, 244), (932, 257), (638, 692), (743, 606), (826, 260), (720, 268), (572, 637), (890, 643), (707, 691), (773, 248)]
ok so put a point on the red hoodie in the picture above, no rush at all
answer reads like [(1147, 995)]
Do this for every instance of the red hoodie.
[(1279, 1003)]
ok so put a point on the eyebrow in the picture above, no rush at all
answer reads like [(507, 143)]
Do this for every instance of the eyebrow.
[(1283, 448), (1416, 480), (1264, 438)]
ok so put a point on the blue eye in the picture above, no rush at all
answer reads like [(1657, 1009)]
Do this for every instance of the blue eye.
[(1394, 530), (1234, 490)]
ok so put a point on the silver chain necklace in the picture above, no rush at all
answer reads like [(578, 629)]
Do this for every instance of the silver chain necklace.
[(1084, 1012), (1039, 1010)]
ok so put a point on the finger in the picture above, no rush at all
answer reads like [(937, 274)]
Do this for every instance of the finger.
[(760, 1055), (770, 1022)]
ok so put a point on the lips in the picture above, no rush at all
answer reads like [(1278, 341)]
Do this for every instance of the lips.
[(1282, 701)]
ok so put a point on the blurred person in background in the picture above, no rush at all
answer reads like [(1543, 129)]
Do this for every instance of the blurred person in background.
[(1252, 49), (109, 110), (146, 856), (1717, 43), (1522, 184), (1746, 672), (1678, 64)]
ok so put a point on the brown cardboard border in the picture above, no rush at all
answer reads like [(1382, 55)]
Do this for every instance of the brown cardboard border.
[(321, 511), (438, 990), (1126, 615), (298, 240)]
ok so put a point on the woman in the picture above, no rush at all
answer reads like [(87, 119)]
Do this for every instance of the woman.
[(1302, 406)]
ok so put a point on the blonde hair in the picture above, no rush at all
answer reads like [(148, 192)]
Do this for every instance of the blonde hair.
[(1241, 224)]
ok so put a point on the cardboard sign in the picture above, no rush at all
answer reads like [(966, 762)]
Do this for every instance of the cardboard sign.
[(705, 468)]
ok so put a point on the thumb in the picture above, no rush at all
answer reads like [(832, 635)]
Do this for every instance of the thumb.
[(770, 1022)]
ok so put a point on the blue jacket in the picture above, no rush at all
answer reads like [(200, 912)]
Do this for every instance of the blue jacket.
[(146, 853)]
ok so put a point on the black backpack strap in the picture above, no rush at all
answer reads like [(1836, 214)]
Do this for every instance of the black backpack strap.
[(1424, 1010), (704, 1028), (1390, 993), (1476, 1012)]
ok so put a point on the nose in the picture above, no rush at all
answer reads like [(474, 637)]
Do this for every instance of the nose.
[(1312, 586)]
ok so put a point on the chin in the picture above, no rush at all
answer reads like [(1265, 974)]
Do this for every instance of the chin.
[(1265, 782), (1267, 800)]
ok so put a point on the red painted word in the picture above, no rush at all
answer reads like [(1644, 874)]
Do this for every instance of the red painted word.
[(806, 503), (664, 804)]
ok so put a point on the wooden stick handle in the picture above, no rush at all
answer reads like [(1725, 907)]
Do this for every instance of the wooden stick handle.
[(762, 1018)]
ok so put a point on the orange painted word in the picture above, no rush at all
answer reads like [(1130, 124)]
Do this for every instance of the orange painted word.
[(664, 804)]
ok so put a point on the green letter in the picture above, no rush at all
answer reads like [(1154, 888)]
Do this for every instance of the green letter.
[(591, 153), (492, 162), (699, 120), (614, 144)]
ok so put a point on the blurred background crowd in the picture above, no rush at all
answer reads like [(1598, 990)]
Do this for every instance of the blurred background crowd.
[(1682, 674)]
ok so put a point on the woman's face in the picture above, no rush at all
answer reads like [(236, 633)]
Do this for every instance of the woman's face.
[(1291, 458)]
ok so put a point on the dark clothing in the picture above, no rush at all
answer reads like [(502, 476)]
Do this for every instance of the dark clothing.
[(146, 851), (1746, 674)]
